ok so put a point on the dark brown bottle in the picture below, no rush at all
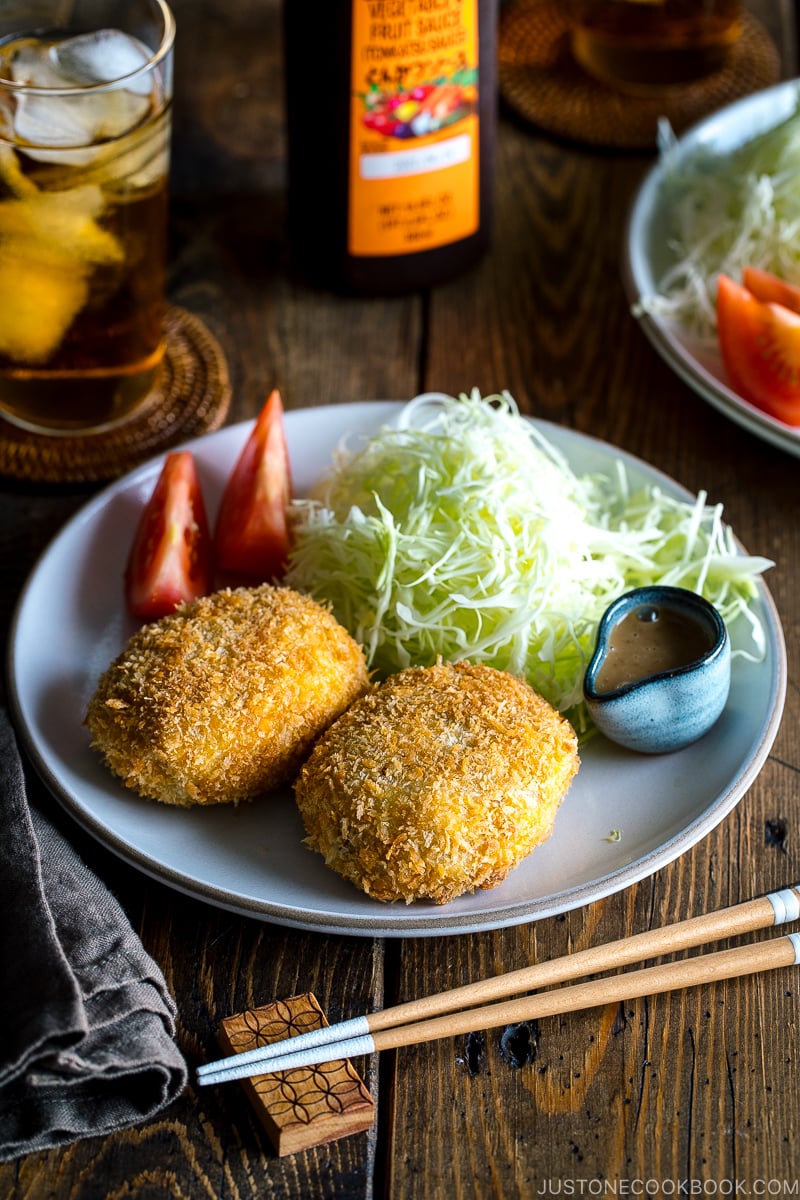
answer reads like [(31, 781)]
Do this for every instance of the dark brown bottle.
[(392, 113)]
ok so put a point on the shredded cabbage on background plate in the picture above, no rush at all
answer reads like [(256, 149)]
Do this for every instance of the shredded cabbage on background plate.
[(461, 532)]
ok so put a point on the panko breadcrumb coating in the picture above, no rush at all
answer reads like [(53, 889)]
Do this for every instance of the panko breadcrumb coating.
[(436, 783), (221, 700)]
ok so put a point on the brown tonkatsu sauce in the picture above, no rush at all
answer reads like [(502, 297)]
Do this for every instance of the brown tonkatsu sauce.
[(648, 640)]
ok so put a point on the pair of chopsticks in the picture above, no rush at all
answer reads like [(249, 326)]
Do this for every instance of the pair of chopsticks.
[(448, 1014)]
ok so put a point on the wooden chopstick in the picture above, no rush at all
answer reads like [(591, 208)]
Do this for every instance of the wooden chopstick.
[(704, 968), (776, 908)]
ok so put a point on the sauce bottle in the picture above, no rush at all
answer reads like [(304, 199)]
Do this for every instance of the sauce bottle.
[(391, 113)]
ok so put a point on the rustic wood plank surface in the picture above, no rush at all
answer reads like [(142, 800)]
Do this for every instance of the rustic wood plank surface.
[(693, 1093)]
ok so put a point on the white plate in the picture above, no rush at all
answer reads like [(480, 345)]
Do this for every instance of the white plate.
[(647, 256), (70, 623)]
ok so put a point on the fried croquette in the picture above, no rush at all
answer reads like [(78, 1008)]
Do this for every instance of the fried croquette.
[(221, 700), (437, 782)]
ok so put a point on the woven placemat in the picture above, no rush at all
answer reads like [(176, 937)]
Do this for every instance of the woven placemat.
[(541, 81), (192, 397)]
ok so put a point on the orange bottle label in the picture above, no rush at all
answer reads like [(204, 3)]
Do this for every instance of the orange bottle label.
[(414, 148)]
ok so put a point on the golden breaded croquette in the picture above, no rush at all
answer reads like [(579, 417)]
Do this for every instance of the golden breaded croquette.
[(437, 782), (222, 699)]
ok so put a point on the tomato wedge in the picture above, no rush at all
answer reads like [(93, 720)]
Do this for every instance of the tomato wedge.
[(760, 347), (769, 288), (170, 559), (251, 538)]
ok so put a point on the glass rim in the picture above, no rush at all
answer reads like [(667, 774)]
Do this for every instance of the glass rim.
[(109, 85)]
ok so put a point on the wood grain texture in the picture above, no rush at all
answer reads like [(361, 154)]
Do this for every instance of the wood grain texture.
[(663, 1088), (696, 1086)]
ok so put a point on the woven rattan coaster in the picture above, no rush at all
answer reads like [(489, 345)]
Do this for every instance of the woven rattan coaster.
[(540, 80), (192, 397)]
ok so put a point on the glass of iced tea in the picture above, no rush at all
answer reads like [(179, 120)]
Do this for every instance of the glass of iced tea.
[(85, 98), (647, 44)]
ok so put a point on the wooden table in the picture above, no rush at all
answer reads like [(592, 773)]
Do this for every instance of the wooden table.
[(695, 1093)]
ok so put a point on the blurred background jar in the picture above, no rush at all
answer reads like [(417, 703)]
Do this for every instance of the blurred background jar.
[(654, 43)]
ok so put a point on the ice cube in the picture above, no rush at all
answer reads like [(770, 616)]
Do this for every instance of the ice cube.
[(51, 121), (138, 162), (31, 65), (76, 121), (102, 57)]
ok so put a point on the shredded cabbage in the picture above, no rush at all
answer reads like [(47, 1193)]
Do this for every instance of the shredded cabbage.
[(725, 211), (462, 532)]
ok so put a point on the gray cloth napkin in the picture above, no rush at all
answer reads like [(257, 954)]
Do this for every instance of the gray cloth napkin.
[(86, 1020)]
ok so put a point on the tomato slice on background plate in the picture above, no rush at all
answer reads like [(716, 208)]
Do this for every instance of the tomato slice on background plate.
[(760, 347), (251, 537), (170, 559), (770, 288)]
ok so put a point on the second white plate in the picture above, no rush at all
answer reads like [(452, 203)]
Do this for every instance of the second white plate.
[(647, 256)]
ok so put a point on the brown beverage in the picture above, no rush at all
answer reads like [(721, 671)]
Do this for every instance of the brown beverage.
[(83, 195), (654, 43)]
